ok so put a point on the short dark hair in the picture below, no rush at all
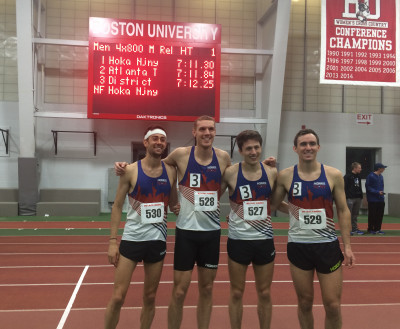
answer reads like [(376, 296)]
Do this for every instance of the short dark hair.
[(202, 118), (303, 132), (246, 135), (354, 165), (152, 128)]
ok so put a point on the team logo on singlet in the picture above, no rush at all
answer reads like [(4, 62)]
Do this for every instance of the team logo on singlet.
[(211, 168), (261, 184), (162, 181), (319, 184)]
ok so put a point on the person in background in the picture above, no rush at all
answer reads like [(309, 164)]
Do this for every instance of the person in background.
[(354, 195), (374, 187)]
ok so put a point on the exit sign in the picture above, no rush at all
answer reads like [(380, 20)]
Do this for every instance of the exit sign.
[(364, 119)]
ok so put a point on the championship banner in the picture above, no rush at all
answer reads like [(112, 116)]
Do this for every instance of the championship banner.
[(360, 42)]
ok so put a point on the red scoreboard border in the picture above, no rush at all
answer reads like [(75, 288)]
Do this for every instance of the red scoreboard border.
[(111, 30)]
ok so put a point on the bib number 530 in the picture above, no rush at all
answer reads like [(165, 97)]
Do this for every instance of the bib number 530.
[(152, 212)]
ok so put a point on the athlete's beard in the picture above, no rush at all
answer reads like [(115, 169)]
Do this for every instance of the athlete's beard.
[(154, 154)]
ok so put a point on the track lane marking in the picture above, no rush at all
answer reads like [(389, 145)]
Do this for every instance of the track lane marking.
[(171, 282), (141, 265), (190, 307), (72, 299)]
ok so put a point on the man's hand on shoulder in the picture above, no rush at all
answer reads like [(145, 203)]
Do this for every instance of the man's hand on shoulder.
[(120, 168), (270, 161)]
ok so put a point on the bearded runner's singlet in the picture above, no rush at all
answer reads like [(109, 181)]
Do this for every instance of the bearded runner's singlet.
[(147, 213), (250, 216), (199, 195), (311, 210)]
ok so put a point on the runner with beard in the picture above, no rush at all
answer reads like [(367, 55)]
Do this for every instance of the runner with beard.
[(150, 185)]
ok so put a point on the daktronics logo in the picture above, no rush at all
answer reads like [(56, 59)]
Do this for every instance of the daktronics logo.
[(362, 9)]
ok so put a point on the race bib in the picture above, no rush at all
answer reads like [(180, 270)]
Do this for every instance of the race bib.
[(312, 219), (255, 210), (152, 212), (206, 201)]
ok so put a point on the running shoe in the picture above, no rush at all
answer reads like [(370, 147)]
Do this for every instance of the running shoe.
[(380, 232), (372, 232), (359, 232)]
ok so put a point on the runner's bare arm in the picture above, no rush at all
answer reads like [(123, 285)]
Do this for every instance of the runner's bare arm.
[(229, 178), (279, 191), (174, 205), (116, 212), (175, 156), (343, 213), (224, 160)]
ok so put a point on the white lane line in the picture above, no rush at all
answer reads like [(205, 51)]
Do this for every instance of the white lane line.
[(72, 299), (170, 282), (141, 265), (191, 307)]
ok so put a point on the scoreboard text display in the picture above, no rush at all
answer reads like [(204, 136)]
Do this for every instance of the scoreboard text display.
[(148, 70)]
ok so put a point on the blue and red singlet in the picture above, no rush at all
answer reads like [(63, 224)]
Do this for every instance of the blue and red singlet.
[(200, 190), (250, 216), (311, 210), (147, 213)]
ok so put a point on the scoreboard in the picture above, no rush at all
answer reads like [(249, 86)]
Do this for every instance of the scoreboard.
[(153, 70)]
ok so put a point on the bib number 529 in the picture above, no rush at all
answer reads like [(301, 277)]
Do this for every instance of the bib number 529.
[(312, 219)]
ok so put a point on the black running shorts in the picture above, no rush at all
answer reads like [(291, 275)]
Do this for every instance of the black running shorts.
[(324, 257), (146, 251), (258, 252), (201, 247)]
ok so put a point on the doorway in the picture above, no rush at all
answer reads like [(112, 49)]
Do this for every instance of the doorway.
[(365, 156)]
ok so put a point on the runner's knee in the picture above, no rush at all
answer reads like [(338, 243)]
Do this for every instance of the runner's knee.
[(149, 298), (332, 308), (179, 294), (118, 299), (264, 294), (205, 290), (236, 293), (305, 303)]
